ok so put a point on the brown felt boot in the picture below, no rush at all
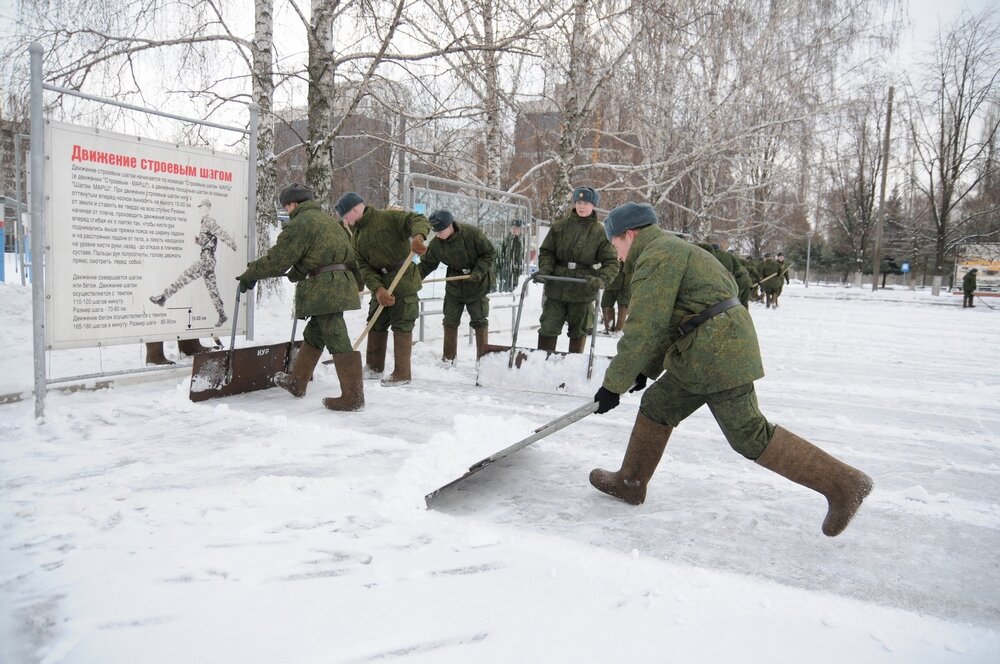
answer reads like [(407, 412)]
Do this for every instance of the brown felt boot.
[(546, 343), (191, 346), (402, 345), (622, 315), (154, 354), (352, 385), (450, 344), (482, 340), (802, 462), (297, 381), (645, 448), (375, 353), (577, 345), (608, 314)]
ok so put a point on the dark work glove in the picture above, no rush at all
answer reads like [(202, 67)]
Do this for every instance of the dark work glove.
[(475, 278), (385, 298), (246, 283), (640, 383), (594, 283), (537, 277), (606, 400)]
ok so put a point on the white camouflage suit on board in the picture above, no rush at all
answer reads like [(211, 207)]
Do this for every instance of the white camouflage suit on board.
[(208, 238)]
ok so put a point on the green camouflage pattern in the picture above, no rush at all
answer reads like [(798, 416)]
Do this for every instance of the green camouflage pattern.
[(772, 278), (671, 280), (309, 240), (382, 242), (576, 240), (466, 251), (735, 267)]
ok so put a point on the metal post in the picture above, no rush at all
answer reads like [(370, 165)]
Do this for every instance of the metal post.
[(19, 221), (809, 247), (37, 229), (880, 221), (251, 207)]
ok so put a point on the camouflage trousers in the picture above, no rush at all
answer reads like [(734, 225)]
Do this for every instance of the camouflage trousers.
[(618, 296), (577, 316), (204, 268), (400, 316), (735, 410), (329, 331), (479, 311)]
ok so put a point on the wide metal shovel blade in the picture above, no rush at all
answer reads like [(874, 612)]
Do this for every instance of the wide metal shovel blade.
[(249, 369)]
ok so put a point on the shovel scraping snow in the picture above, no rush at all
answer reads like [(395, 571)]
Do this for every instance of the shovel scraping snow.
[(223, 373)]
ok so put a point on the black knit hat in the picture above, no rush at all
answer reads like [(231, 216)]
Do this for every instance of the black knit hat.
[(628, 216), (586, 195), (294, 193), (347, 201), (440, 220)]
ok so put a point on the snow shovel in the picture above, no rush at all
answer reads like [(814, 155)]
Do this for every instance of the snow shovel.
[(539, 433), (556, 370), (238, 370), (378, 312)]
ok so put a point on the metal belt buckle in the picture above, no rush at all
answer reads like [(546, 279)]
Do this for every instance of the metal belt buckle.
[(571, 266), (466, 271)]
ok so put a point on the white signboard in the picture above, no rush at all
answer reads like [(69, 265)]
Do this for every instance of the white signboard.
[(144, 239)]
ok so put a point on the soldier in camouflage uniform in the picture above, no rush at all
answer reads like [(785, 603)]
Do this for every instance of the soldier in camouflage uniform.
[(773, 275), (734, 267), (314, 251), (382, 242), (209, 234), (467, 252), (686, 324), (574, 247), (617, 293), (510, 259)]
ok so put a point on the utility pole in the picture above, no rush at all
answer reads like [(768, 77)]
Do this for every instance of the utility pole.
[(877, 253)]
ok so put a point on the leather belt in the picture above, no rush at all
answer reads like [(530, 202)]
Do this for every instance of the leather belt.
[(463, 270), (332, 267), (573, 266), (690, 323)]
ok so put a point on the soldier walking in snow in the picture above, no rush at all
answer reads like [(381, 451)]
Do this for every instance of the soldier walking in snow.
[(467, 252), (969, 288), (574, 247), (382, 240), (314, 251), (775, 276), (208, 239), (686, 319)]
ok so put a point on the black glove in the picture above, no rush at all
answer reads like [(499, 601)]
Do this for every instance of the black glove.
[(606, 400), (475, 278), (246, 283), (594, 283), (537, 277), (640, 383)]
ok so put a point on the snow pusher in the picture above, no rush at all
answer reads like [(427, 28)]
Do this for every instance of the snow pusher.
[(539, 433), (223, 373), (530, 369)]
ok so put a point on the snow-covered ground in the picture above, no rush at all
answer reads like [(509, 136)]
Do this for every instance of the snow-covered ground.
[(138, 526)]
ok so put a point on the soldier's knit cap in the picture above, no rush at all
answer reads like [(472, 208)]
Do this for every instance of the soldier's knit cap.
[(586, 195), (347, 201), (295, 193), (440, 220), (625, 217)]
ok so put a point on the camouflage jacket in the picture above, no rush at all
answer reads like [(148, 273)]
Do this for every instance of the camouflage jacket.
[(770, 274), (583, 243), (466, 251), (671, 281), (620, 282), (382, 242), (969, 282), (732, 264), (312, 239)]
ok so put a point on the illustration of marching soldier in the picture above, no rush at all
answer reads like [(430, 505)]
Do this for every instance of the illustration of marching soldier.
[(208, 237)]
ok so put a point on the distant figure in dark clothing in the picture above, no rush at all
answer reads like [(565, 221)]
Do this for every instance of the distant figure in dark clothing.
[(969, 288)]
